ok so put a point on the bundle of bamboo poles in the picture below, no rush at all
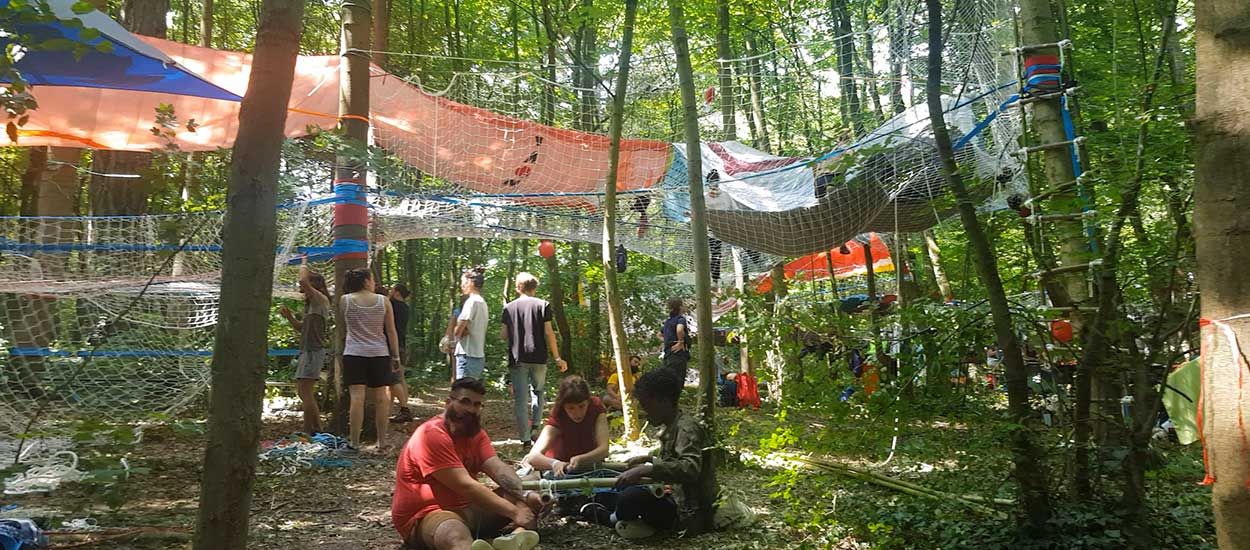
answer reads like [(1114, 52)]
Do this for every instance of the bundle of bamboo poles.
[(906, 487)]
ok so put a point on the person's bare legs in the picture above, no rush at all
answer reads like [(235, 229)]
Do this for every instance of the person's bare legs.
[(452, 535), (307, 390), (356, 413), (381, 398), (399, 391)]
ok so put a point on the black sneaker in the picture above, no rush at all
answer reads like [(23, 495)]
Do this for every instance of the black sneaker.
[(404, 416)]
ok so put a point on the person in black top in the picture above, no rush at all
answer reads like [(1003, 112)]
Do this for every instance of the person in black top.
[(531, 342), (399, 386), (676, 335)]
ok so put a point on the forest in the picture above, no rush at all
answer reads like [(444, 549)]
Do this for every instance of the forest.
[(954, 273)]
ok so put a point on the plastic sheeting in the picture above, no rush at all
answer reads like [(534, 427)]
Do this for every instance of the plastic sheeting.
[(128, 64), (473, 147), (816, 266)]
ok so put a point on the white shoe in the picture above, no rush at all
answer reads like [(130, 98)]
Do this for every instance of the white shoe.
[(480, 544), (636, 529), (520, 540)]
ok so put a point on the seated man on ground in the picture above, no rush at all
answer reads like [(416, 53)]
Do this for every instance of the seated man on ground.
[(575, 436), (639, 513), (612, 399), (438, 502)]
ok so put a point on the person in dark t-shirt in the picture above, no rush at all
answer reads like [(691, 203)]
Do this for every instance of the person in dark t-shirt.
[(527, 330), (676, 335), (399, 385), (575, 436)]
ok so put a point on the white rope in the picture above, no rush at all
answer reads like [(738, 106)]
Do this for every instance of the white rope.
[(45, 476)]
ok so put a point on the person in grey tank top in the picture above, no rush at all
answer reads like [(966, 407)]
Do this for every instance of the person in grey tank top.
[(312, 343), (370, 353)]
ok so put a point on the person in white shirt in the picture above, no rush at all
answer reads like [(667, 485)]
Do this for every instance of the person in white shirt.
[(470, 333)]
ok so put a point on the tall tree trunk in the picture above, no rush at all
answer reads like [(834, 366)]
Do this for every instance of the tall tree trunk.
[(558, 303), (935, 265), (549, 88), (1038, 26), (32, 177), (1222, 235), (1030, 471), (898, 41), (250, 237), (724, 67), (588, 54), (206, 24), (381, 31), (757, 99), (702, 262), (111, 191), (775, 356), (616, 323), (849, 99), (351, 221)]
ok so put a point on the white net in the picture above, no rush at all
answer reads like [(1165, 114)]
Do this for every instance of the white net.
[(113, 316)]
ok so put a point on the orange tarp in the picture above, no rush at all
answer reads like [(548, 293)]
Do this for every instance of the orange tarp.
[(816, 266), (473, 147)]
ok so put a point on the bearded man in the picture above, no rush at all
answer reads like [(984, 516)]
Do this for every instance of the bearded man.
[(438, 502)]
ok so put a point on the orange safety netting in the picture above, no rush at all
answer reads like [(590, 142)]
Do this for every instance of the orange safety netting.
[(472, 147), (816, 266)]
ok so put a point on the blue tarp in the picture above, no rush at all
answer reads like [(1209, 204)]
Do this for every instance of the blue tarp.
[(130, 64)]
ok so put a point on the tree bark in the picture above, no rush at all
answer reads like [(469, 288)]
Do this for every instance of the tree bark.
[(702, 260), (250, 237), (1030, 471), (351, 220), (1222, 235), (381, 31), (757, 100), (849, 99), (557, 308), (935, 265), (616, 323), (729, 126), (206, 25)]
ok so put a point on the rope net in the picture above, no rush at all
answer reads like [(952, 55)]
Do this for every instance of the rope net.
[(113, 316)]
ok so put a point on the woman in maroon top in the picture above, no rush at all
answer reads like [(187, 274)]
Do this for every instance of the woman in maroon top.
[(575, 436)]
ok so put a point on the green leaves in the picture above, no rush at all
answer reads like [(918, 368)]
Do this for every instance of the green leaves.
[(82, 8)]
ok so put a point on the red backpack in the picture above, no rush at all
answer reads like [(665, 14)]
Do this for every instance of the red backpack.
[(748, 391)]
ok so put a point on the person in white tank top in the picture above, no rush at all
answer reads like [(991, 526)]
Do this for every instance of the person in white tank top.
[(370, 353)]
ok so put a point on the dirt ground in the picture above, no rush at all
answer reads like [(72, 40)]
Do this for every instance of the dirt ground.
[(333, 508)]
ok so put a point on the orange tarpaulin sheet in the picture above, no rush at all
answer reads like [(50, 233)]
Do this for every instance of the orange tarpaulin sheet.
[(473, 147), (816, 266)]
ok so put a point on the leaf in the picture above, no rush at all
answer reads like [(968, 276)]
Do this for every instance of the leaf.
[(11, 130), (21, 121), (56, 44), (82, 8), (88, 34), (104, 47)]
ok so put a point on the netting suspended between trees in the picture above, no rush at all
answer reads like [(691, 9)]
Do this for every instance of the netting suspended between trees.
[(83, 330)]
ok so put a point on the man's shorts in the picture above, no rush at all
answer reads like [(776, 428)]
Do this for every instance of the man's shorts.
[(310, 364), (374, 372), (470, 367), (482, 526)]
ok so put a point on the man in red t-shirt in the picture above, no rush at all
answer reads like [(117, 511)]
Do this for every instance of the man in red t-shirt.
[(438, 502)]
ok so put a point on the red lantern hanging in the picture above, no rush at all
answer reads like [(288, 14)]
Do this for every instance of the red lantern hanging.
[(546, 249), (1061, 330)]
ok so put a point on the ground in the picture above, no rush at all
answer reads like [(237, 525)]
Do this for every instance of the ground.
[(334, 508), (958, 450)]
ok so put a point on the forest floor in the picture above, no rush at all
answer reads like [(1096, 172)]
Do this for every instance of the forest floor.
[(333, 508), (349, 507)]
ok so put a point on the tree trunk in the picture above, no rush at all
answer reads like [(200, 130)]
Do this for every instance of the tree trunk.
[(557, 308), (588, 54), (849, 99), (935, 265), (616, 322), (111, 191), (729, 126), (548, 115), (351, 220), (381, 31), (775, 355), (1030, 471), (206, 25), (250, 237), (702, 262), (1222, 235), (757, 99), (32, 177)]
